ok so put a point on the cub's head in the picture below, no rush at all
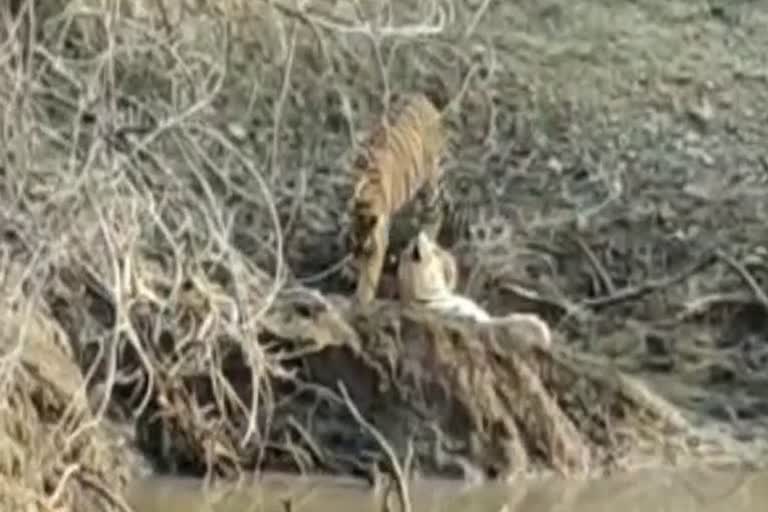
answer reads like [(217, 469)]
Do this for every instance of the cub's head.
[(425, 270)]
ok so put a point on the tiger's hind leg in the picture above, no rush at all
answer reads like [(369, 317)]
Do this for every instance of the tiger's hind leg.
[(433, 202)]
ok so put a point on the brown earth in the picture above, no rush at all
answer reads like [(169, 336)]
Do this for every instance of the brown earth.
[(168, 201)]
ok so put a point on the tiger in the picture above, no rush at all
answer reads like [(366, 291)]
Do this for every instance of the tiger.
[(427, 278), (401, 159)]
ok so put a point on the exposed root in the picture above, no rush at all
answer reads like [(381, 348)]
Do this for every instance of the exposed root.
[(500, 403), (55, 455)]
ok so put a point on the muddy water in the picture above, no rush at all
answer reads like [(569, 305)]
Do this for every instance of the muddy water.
[(649, 490)]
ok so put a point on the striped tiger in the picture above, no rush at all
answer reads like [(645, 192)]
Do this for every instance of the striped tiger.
[(400, 159)]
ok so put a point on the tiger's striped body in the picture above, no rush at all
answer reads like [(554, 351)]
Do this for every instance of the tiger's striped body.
[(400, 159)]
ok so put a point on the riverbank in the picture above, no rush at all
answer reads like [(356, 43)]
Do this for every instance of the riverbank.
[(173, 197)]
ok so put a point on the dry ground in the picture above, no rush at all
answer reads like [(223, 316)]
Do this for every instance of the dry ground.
[(172, 188)]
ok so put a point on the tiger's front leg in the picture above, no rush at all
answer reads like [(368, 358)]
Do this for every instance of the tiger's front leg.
[(370, 261)]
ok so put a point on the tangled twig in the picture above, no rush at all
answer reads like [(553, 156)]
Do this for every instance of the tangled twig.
[(399, 472)]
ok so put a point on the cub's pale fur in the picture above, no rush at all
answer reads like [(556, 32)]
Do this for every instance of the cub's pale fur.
[(401, 156), (427, 277)]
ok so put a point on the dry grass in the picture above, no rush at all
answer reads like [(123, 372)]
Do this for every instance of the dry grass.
[(172, 189)]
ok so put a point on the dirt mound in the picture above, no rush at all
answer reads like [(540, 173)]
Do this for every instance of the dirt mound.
[(478, 396), (56, 454), (461, 399)]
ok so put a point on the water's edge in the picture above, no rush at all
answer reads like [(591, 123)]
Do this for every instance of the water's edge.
[(651, 489)]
